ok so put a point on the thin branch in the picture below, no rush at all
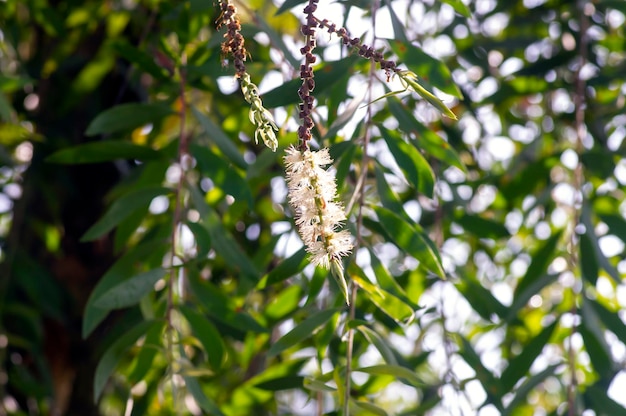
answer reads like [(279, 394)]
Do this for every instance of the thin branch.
[(359, 225), (183, 149), (577, 182)]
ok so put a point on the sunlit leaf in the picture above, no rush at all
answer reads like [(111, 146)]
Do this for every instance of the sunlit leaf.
[(392, 306), (284, 303)]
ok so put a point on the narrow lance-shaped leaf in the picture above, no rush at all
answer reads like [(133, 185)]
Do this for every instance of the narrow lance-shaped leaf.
[(114, 353), (115, 275), (131, 291), (122, 208), (128, 117), (415, 167), (103, 151), (412, 81), (207, 334), (394, 370), (520, 365), (301, 331), (411, 239), (389, 304)]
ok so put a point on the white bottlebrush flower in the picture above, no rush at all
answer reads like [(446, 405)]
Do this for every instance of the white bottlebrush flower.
[(312, 194)]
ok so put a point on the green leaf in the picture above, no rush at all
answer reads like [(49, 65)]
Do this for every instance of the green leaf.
[(289, 4), (317, 385), (413, 83), (601, 403), (222, 174), (459, 7), (284, 303), (519, 366), (345, 117), (598, 349), (207, 334), (128, 117), (585, 218), (398, 26), (369, 408), (207, 405), (406, 375), (481, 299), (145, 357), (326, 75), (203, 239), (121, 270), (388, 197), (386, 302), (616, 224), (221, 140), (526, 387), (415, 167), (535, 278), (285, 269), (431, 70), (114, 353), (411, 239), (222, 240), (130, 291), (276, 40), (532, 286), (377, 341), (141, 59), (301, 331), (122, 208), (488, 381), (387, 282), (103, 151), (588, 261), (281, 383), (220, 307), (482, 227), (424, 138), (610, 319)]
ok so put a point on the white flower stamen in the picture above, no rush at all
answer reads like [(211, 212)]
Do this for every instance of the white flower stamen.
[(313, 194)]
